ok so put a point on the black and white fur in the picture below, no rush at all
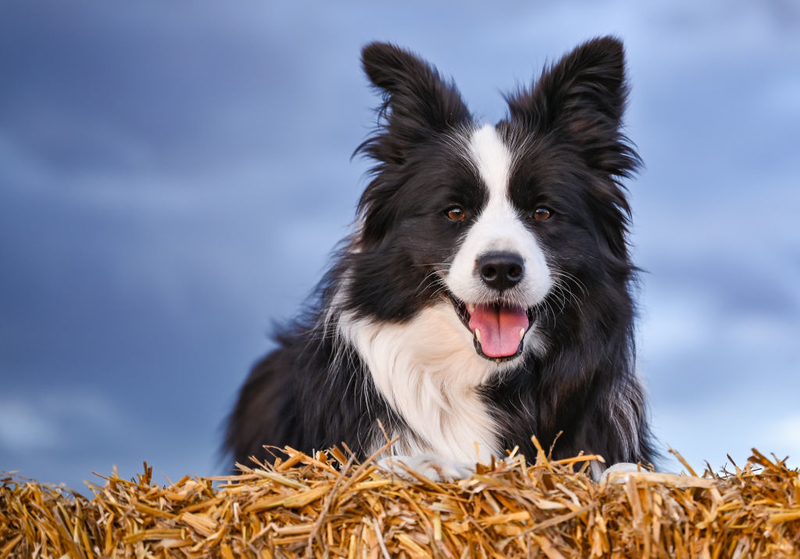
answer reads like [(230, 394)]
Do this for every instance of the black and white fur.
[(387, 337)]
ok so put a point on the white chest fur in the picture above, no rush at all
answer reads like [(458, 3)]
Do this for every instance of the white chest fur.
[(429, 372)]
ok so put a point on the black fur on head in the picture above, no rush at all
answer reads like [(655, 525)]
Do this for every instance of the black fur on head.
[(418, 107), (414, 178), (578, 104)]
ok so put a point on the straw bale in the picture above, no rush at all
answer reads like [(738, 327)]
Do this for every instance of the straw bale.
[(329, 506)]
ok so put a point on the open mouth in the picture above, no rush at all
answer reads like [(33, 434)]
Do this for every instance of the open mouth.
[(498, 329)]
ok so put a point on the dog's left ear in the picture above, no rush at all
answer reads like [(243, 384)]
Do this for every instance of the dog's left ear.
[(581, 99), (417, 101)]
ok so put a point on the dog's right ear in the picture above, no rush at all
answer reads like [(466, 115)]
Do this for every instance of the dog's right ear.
[(417, 101)]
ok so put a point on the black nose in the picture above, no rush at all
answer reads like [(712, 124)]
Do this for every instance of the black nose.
[(501, 270)]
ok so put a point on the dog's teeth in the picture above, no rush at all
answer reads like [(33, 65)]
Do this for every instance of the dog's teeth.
[(477, 334), (521, 333), (471, 308)]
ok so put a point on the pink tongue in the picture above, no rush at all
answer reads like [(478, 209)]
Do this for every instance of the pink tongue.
[(500, 327)]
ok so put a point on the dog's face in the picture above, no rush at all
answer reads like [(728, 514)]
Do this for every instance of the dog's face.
[(509, 223), (499, 272)]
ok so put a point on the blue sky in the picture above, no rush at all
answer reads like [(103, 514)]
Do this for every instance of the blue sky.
[(172, 182)]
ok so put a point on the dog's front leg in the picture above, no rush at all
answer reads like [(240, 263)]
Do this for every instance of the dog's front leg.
[(432, 466), (617, 472)]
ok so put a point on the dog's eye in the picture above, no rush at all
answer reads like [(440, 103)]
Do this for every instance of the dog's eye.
[(455, 214), (542, 214)]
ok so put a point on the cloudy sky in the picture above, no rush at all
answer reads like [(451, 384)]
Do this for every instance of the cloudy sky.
[(172, 181)]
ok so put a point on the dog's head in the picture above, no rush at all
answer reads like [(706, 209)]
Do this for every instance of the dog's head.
[(513, 223)]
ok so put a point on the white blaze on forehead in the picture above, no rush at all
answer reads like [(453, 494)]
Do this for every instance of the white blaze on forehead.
[(492, 159), (498, 227)]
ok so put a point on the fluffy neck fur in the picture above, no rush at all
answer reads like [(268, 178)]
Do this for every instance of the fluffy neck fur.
[(429, 373)]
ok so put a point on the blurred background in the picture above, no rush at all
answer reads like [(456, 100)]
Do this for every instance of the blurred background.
[(173, 178)]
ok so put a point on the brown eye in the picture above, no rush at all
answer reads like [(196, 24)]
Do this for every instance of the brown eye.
[(541, 214), (455, 214)]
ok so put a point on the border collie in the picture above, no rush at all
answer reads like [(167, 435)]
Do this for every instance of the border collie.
[(484, 294)]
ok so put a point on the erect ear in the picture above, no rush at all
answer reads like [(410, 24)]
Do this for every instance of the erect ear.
[(417, 101), (582, 99)]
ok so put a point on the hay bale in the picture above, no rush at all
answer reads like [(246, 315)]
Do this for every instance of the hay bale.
[(328, 506)]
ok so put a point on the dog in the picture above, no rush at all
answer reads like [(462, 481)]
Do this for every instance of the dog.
[(484, 294)]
